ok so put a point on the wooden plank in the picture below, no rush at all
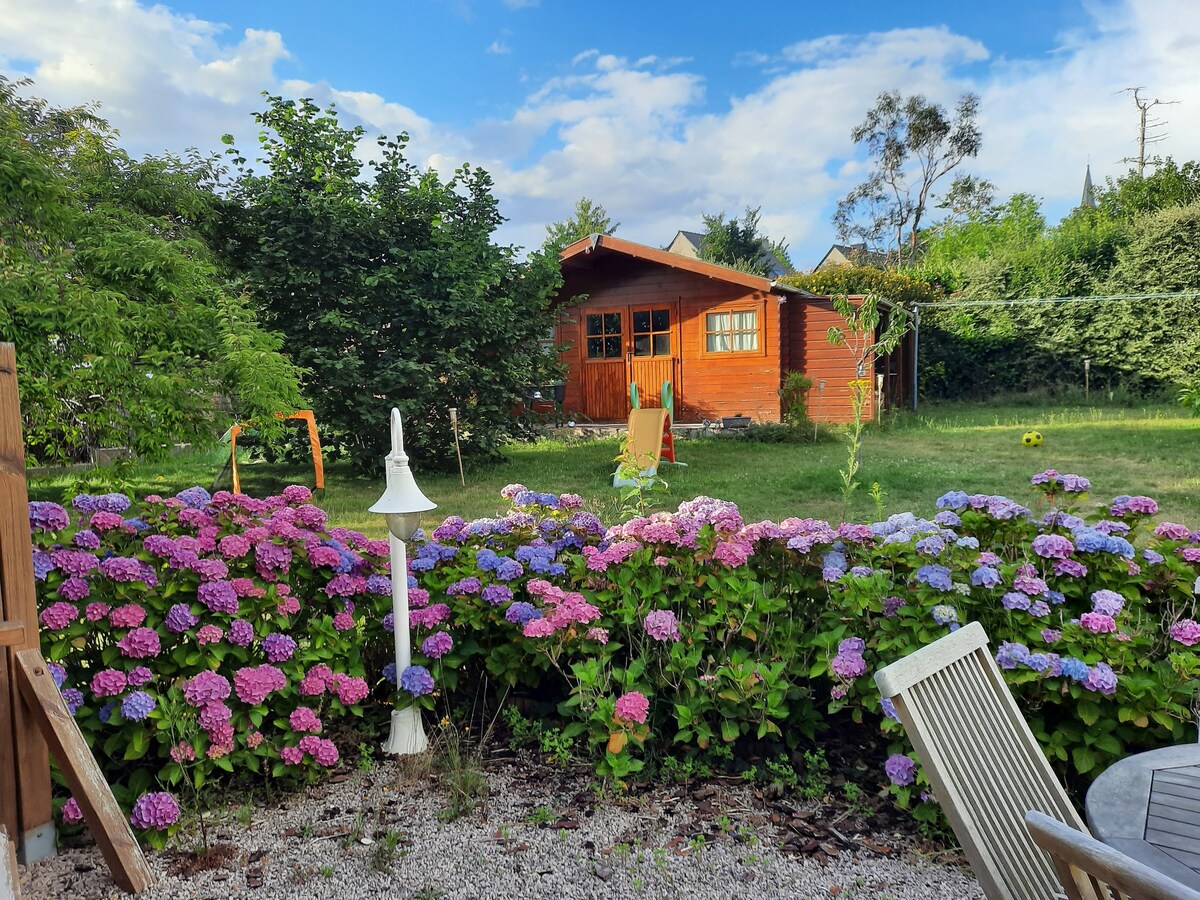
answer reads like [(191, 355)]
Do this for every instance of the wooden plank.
[(10, 883), (12, 634), (103, 816), (1166, 839), (24, 762)]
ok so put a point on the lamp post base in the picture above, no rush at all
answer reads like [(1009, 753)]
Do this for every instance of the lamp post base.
[(408, 733)]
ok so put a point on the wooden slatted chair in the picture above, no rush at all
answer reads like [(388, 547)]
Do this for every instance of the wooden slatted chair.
[(984, 764), (1090, 870)]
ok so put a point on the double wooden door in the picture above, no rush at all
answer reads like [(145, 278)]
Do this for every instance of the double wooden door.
[(624, 345)]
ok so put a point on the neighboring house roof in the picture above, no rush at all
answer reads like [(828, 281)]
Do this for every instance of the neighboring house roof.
[(687, 243), (586, 252), (850, 254)]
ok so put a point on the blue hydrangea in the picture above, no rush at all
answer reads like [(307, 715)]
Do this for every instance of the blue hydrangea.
[(105, 713), (889, 709), (986, 576), (1075, 669), (521, 613), (1039, 662), (948, 518), (834, 560), (508, 569), (1088, 540), (487, 560), (1016, 600), (1119, 547), (417, 681), (1009, 655), (389, 671), (953, 500), (968, 542), (137, 705), (931, 546), (944, 614), (194, 497), (937, 577), (379, 584), (42, 564), (1152, 557), (73, 697), (58, 673)]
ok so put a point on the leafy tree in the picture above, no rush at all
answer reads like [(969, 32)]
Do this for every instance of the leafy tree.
[(889, 284), (1134, 195), (737, 243), (912, 144), (388, 287), (986, 233), (109, 290), (588, 218)]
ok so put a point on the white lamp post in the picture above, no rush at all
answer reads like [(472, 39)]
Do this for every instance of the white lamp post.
[(402, 504)]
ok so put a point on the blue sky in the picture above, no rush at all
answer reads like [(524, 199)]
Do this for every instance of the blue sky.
[(660, 111)]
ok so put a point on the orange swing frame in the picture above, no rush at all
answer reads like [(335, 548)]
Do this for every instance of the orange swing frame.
[(314, 442)]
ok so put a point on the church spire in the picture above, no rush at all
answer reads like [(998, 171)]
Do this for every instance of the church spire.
[(1089, 197)]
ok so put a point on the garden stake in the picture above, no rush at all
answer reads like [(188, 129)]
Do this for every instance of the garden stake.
[(457, 448)]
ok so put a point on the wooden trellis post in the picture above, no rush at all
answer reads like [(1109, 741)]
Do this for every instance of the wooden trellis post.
[(31, 709), (24, 758)]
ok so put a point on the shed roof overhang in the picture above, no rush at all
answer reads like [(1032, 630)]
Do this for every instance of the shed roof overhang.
[(587, 252)]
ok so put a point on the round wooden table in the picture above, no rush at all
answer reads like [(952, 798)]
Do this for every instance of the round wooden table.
[(1148, 807)]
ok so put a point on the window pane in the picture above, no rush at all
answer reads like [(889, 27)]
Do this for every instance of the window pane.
[(641, 345), (745, 320), (745, 340), (716, 322), (595, 348), (718, 342), (662, 319), (612, 323), (593, 324), (662, 345), (641, 322), (612, 347)]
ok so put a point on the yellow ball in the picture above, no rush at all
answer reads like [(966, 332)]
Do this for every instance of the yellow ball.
[(1031, 439)]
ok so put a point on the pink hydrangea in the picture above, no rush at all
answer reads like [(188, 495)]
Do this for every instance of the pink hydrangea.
[(288, 606), (536, 628), (74, 588), (108, 683), (105, 521), (1186, 632), (430, 616), (343, 621), (437, 645), (324, 556), (183, 752), (131, 615), (598, 634), (209, 634), (322, 750), (662, 625), (1172, 531), (293, 756), (157, 810), (296, 493), (350, 689), (253, 739), (633, 707), (253, 684), (316, 680), (58, 616), (304, 719), (1098, 623), (140, 643), (71, 813), (96, 611)]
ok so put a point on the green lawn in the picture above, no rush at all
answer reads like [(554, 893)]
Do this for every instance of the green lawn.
[(971, 447)]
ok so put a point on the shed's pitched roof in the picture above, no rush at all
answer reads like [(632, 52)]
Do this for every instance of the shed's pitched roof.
[(586, 252)]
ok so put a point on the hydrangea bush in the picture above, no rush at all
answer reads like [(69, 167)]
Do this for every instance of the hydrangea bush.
[(195, 633), (199, 633)]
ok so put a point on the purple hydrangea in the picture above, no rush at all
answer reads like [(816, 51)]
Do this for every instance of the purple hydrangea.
[(194, 497), (1010, 655), (1052, 546), (901, 769), (279, 647), (496, 594), (437, 645), (158, 810), (379, 584), (47, 516), (73, 697), (241, 633), (218, 596), (1110, 603), (1016, 600), (891, 605), (180, 618), (469, 585)]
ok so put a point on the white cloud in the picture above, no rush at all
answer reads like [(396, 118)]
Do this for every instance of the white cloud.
[(520, 4), (499, 48), (646, 137)]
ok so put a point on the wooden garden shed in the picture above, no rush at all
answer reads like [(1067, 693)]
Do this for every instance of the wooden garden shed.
[(724, 339)]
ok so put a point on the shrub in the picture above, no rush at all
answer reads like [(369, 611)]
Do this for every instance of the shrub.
[(200, 634)]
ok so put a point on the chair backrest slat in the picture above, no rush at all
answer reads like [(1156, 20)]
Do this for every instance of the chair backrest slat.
[(984, 764)]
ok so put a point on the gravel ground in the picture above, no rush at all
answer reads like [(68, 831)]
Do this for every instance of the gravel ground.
[(543, 833)]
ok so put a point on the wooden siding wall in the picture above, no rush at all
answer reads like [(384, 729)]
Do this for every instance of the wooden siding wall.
[(707, 386), (808, 350)]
